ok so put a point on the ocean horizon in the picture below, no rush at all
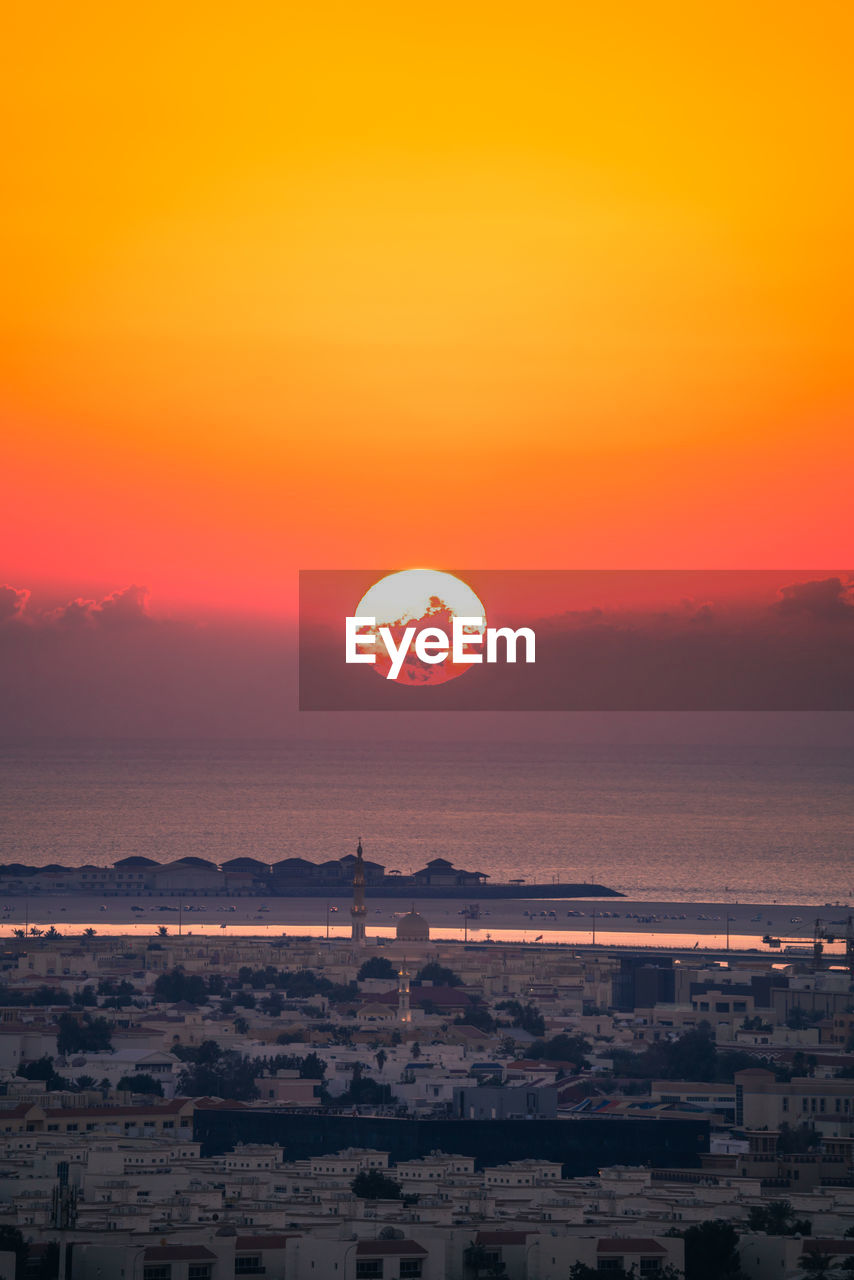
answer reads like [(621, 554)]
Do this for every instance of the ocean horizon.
[(677, 823)]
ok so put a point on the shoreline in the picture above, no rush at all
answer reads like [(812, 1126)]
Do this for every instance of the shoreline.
[(573, 919)]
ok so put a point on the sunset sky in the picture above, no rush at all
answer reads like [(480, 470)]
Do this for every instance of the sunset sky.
[(312, 286)]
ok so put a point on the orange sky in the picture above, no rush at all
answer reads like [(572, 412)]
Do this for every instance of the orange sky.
[(334, 285)]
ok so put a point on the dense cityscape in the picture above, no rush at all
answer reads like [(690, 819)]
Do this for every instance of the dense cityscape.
[(187, 1106)]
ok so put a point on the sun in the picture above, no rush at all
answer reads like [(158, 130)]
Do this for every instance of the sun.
[(419, 598)]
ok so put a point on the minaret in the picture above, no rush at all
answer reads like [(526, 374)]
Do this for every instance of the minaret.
[(404, 1012), (358, 911)]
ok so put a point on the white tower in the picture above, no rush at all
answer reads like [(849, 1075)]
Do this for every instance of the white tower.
[(404, 1011)]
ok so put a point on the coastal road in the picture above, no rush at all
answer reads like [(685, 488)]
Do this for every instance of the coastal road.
[(574, 919)]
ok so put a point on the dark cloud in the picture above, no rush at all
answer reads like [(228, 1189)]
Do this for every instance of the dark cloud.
[(700, 655), (109, 667), (127, 606), (13, 603), (828, 599)]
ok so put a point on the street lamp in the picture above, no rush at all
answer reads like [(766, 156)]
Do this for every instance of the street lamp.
[(347, 1254), (743, 1248), (138, 1257)]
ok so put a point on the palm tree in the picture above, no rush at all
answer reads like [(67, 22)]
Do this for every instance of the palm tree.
[(53, 932), (162, 931), (381, 1058), (19, 933), (35, 931), (90, 932)]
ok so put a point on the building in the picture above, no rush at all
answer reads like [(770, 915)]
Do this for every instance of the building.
[(358, 910), (762, 1102), (404, 1009), (506, 1102), (412, 928), (439, 871)]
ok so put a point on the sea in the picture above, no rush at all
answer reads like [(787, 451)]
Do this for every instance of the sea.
[(705, 823)]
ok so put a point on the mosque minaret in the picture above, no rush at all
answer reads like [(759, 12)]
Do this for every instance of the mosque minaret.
[(358, 911)]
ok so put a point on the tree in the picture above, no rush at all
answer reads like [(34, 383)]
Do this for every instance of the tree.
[(53, 932), (205, 1053), (42, 1069), (312, 1067), (89, 1035), (799, 1018), (365, 1092), (273, 1004), (756, 1024), (777, 1218), (693, 1056), (118, 994), (162, 931), (476, 1015), (142, 1082), (85, 1082), (381, 1058), (377, 967), (49, 995), (711, 1251), (176, 985), (371, 1184), (527, 1017), (439, 975), (89, 932), (241, 1026), (221, 1074), (562, 1048)]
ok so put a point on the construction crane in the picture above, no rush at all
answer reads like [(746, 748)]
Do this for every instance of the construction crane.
[(822, 933)]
